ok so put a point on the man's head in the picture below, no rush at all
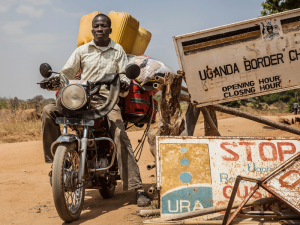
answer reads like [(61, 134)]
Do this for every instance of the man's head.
[(101, 28)]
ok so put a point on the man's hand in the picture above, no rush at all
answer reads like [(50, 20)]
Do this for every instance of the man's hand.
[(124, 86), (52, 83)]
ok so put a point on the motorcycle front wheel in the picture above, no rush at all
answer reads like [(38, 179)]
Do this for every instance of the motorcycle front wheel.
[(68, 198)]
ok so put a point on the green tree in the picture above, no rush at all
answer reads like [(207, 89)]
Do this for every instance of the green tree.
[(291, 105), (275, 6), (3, 105)]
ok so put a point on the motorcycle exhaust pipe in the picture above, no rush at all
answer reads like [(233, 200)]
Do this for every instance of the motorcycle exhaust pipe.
[(151, 166), (158, 86), (151, 190), (159, 79)]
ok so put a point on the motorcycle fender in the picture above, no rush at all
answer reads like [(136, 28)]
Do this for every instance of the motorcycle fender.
[(65, 138)]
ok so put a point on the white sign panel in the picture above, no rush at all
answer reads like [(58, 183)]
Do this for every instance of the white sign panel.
[(242, 60), (196, 173)]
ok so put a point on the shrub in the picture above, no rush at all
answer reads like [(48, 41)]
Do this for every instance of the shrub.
[(233, 104)]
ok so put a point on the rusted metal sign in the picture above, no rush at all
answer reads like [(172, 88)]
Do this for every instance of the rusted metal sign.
[(242, 60), (286, 184), (199, 172), (282, 182)]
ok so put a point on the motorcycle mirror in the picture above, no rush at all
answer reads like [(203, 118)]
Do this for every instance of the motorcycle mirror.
[(132, 71), (45, 70)]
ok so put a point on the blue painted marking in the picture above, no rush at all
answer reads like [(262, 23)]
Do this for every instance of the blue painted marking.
[(187, 199), (184, 162), (183, 150), (185, 177)]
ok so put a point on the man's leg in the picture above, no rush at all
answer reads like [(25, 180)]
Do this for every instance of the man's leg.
[(129, 170), (50, 130)]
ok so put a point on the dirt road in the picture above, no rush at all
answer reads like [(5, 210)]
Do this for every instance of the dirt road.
[(26, 196)]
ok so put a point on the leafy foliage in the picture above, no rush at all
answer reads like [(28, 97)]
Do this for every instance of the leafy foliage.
[(233, 104), (275, 6), (282, 96), (257, 105), (291, 104), (3, 105)]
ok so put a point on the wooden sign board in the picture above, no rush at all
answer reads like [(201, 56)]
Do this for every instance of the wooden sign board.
[(242, 60)]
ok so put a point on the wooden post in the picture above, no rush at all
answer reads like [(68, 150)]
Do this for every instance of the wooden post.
[(170, 122), (255, 118), (191, 118), (210, 122)]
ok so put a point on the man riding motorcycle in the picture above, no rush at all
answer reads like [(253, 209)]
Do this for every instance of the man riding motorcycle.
[(95, 59)]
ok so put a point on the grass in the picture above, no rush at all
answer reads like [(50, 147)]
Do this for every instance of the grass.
[(20, 123), (18, 131), (13, 127)]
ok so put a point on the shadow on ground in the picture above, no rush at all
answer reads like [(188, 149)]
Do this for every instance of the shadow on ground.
[(95, 206)]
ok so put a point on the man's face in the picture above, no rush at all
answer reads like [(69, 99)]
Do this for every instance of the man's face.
[(101, 29)]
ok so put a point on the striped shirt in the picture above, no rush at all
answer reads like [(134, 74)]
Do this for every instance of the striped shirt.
[(95, 62)]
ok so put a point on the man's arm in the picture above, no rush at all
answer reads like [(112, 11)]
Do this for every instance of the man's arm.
[(72, 66), (122, 63)]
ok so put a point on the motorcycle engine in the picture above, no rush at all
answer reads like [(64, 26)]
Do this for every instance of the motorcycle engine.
[(102, 163)]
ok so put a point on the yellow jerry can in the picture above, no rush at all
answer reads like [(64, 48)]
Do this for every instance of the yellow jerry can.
[(124, 29), (85, 28), (141, 42)]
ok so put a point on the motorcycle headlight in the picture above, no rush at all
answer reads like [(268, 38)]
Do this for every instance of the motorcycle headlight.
[(73, 97)]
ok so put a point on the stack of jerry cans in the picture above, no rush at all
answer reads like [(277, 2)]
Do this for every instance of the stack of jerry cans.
[(125, 31)]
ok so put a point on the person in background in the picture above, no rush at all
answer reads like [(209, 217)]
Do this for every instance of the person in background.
[(296, 105)]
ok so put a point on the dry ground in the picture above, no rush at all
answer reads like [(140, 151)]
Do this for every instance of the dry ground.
[(26, 196)]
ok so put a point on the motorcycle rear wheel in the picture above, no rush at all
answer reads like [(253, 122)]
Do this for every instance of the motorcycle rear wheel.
[(108, 190), (68, 199)]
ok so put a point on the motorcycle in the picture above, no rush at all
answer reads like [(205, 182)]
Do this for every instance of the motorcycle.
[(86, 159)]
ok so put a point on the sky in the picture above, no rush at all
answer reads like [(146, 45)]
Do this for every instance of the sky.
[(37, 31)]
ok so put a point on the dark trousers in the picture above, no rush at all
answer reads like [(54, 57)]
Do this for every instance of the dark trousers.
[(129, 170)]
